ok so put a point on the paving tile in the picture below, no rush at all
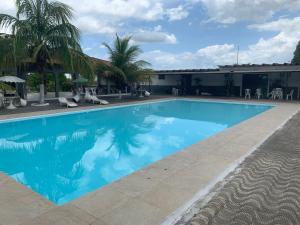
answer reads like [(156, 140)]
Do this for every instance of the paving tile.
[(135, 184), (10, 189), (3, 178), (99, 222), (155, 172), (15, 210), (66, 215), (134, 212), (167, 197), (101, 201)]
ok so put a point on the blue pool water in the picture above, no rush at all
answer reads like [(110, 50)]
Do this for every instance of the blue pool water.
[(63, 157)]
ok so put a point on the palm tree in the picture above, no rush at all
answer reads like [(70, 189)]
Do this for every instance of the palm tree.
[(44, 35), (125, 68)]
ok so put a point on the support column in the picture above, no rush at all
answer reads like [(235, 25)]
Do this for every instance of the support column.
[(56, 85), (108, 86), (268, 88), (241, 89)]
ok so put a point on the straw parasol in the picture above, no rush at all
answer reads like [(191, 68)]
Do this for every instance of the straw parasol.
[(11, 79)]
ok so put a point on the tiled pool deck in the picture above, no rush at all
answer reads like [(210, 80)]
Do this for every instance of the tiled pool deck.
[(149, 196)]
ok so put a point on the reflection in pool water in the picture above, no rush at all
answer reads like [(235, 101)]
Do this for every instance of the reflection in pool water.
[(64, 157)]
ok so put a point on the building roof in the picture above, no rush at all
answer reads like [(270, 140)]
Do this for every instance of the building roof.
[(99, 61), (245, 68), (186, 71), (275, 67)]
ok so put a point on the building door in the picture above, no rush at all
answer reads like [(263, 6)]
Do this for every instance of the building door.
[(254, 81)]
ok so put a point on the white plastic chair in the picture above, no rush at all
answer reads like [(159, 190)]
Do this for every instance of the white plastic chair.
[(93, 90), (290, 95), (87, 96), (247, 93), (258, 93), (278, 93), (76, 98), (147, 94), (272, 95), (175, 91), (23, 102)]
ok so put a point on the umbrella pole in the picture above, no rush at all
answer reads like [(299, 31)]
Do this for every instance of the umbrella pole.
[(56, 85)]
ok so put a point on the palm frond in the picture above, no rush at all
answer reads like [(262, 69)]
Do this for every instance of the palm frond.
[(6, 87), (7, 21), (43, 33), (60, 11)]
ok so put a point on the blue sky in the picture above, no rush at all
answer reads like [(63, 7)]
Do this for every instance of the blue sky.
[(190, 33)]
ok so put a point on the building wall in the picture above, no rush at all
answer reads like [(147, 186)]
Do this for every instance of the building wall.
[(168, 81), (293, 82), (211, 83), (216, 79), (209, 79), (164, 86)]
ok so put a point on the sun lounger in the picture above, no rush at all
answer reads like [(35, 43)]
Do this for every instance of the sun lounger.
[(64, 101), (95, 99)]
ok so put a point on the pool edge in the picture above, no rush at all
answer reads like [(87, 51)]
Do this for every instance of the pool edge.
[(152, 212)]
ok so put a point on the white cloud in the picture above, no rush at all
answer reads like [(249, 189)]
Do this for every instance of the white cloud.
[(231, 11), (277, 49), (167, 60), (121, 9), (177, 13), (88, 24), (154, 36), (7, 6), (107, 16), (286, 25), (87, 49)]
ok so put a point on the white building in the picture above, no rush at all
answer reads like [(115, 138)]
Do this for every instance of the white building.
[(228, 80)]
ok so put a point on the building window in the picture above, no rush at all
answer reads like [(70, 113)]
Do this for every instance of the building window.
[(161, 77)]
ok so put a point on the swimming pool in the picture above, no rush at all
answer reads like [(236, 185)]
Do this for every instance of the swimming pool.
[(63, 157)]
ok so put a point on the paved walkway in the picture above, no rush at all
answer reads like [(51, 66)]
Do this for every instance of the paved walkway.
[(265, 190)]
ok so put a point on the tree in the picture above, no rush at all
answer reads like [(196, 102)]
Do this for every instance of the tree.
[(33, 82), (125, 69), (296, 59), (43, 35), (7, 59)]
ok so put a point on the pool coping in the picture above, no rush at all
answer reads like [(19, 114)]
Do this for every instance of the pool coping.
[(160, 192), (80, 110)]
